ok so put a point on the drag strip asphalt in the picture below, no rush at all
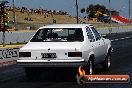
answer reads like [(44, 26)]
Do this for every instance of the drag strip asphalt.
[(14, 76)]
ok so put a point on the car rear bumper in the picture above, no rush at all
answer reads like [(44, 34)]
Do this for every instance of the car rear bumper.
[(51, 63)]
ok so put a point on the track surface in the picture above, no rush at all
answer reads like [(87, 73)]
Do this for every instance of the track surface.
[(14, 76)]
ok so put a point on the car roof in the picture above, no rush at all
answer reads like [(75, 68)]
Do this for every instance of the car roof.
[(66, 26)]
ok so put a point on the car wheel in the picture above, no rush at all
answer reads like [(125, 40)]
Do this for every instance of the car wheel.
[(90, 67), (107, 62), (32, 73)]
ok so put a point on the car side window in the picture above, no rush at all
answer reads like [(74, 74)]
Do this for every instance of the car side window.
[(90, 35), (97, 35)]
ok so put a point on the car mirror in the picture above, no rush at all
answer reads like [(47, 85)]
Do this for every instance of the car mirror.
[(104, 36)]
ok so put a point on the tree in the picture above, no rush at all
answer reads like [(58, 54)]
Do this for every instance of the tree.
[(82, 10), (99, 11)]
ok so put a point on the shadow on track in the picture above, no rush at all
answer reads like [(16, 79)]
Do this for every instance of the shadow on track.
[(56, 75), (60, 74)]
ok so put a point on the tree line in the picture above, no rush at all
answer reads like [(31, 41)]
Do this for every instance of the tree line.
[(98, 11)]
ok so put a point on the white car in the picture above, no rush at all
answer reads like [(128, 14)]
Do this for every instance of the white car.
[(65, 45)]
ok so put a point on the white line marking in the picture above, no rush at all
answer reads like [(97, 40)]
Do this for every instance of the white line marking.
[(127, 37), (111, 40), (116, 39), (122, 38)]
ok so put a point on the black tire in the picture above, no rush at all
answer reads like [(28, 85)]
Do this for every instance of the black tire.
[(107, 62), (32, 73), (90, 67)]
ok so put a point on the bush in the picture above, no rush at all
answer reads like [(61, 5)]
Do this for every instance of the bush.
[(16, 29)]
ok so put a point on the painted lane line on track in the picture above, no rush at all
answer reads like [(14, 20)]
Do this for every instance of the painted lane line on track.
[(121, 38), (127, 37), (116, 39)]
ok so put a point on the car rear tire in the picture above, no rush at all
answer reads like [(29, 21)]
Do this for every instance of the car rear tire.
[(90, 67), (107, 62), (32, 73)]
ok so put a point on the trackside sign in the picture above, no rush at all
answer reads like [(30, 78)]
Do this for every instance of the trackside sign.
[(8, 56), (9, 53)]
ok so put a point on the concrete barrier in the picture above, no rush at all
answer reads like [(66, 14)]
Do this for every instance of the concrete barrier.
[(24, 37), (16, 37), (114, 30)]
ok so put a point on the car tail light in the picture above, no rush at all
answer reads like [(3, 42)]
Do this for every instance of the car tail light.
[(74, 54), (24, 54)]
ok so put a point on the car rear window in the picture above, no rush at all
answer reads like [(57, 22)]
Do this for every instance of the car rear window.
[(58, 35)]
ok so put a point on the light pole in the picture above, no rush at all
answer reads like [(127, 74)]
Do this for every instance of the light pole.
[(110, 10), (110, 30), (14, 14), (77, 18), (129, 8)]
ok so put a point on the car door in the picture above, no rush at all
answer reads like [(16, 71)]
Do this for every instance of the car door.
[(94, 44), (101, 45)]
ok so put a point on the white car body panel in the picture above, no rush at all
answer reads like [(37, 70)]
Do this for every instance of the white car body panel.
[(98, 48)]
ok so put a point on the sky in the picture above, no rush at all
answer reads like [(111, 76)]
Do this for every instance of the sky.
[(69, 5)]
